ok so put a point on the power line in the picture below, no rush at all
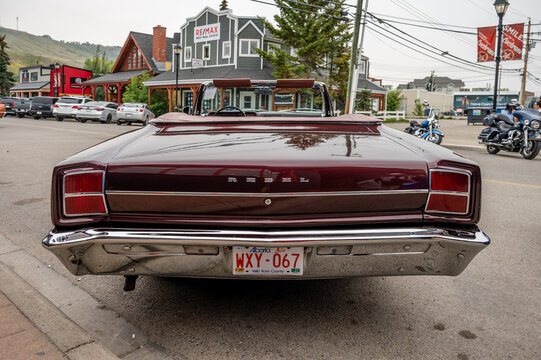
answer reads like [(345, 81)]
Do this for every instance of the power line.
[(431, 27)]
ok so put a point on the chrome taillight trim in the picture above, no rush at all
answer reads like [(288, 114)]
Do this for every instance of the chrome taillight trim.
[(455, 193), (102, 194)]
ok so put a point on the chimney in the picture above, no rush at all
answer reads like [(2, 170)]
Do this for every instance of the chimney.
[(158, 44)]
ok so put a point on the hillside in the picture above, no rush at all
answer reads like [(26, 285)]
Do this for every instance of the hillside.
[(26, 49)]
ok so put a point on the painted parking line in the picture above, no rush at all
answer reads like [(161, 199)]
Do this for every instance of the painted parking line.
[(511, 183), (59, 129)]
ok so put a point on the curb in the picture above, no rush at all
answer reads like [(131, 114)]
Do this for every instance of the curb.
[(79, 326)]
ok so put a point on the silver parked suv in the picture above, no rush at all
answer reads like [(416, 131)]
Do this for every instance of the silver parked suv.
[(67, 106), (134, 113)]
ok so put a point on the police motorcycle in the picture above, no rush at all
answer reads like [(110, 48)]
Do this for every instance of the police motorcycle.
[(502, 133), (428, 129)]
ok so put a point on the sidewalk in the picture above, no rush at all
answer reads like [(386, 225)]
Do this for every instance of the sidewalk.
[(44, 316), (20, 339), (457, 133)]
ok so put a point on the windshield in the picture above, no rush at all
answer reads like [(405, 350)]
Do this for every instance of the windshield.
[(263, 99)]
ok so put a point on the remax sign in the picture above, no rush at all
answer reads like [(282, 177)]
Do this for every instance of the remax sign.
[(206, 33)]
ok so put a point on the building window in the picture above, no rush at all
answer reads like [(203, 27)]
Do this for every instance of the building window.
[(24, 76), (226, 50), (34, 76), (206, 52), (247, 47), (293, 52), (362, 67), (188, 54), (271, 47)]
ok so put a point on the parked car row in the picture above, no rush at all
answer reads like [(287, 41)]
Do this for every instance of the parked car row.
[(79, 108)]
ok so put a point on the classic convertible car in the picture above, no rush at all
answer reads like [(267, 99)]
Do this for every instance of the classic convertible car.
[(259, 180)]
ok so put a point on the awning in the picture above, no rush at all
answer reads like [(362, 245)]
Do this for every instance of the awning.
[(118, 77), (28, 86)]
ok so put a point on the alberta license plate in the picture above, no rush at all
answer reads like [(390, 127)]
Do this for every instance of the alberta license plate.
[(39, 113), (252, 260)]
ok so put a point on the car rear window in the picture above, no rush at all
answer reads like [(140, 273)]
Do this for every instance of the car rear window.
[(132, 105), (70, 101), (42, 100)]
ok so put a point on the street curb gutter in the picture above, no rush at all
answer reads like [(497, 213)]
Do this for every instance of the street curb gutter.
[(75, 322)]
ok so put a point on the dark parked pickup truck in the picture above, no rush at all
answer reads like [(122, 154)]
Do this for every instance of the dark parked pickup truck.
[(259, 180), (9, 102), (21, 107), (42, 106)]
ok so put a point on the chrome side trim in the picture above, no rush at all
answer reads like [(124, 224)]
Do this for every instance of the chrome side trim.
[(266, 194)]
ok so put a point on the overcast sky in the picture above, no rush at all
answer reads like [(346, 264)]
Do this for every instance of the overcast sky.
[(109, 22)]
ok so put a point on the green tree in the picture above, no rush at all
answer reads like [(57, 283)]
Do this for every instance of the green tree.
[(223, 5), (7, 79), (394, 99), (418, 110), (320, 36), (136, 91), (363, 101), (99, 65), (160, 104)]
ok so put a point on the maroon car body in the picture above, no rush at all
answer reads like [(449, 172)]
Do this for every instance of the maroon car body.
[(184, 195)]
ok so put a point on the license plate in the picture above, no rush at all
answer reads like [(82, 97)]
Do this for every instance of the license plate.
[(128, 115), (253, 260), (39, 113)]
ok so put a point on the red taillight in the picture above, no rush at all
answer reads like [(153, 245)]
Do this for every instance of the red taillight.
[(75, 107), (449, 192), (449, 181), (100, 109), (140, 110), (83, 193), (55, 106)]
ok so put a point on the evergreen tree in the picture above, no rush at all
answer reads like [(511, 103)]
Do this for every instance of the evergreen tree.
[(394, 98), (223, 5), (320, 36), (7, 79), (363, 101)]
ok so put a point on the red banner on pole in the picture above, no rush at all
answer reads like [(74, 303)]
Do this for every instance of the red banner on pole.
[(512, 42), (486, 43)]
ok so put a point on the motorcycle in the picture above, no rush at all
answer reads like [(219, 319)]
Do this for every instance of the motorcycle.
[(502, 133), (428, 129)]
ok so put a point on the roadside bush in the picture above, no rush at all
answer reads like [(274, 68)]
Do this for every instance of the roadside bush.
[(418, 111)]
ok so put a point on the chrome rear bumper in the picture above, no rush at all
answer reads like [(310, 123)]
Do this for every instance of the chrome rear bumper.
[(207, 253)]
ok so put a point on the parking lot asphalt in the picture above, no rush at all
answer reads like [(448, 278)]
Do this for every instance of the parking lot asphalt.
[(491, 311)]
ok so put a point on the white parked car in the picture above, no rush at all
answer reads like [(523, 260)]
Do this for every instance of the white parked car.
[(67, 106), (102, 111), (133, 112)]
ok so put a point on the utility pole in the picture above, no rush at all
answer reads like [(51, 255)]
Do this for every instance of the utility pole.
[(355, 83), (432, 81), (523, 89), (350, 101), (17, 23)]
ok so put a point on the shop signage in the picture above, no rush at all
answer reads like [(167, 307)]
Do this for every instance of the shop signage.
[(197, 62), (206, 33)]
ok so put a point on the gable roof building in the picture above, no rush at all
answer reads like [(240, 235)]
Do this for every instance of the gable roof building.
[(441, 83), (141, 53)]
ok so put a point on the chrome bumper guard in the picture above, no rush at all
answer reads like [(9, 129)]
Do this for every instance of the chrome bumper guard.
[(207, 253)]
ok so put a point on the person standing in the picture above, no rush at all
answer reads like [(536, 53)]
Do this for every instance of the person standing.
[(537, 105)]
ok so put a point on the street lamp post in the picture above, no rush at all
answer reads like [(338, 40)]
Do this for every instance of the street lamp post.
[(501, 7), (178, 50)]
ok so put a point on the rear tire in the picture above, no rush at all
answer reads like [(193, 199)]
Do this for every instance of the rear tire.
[(531, 150), (493, 149), (129, 123), (118, 122), (20, 115), (59, 118), (36, 117), (81, 120), (108, 119)]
